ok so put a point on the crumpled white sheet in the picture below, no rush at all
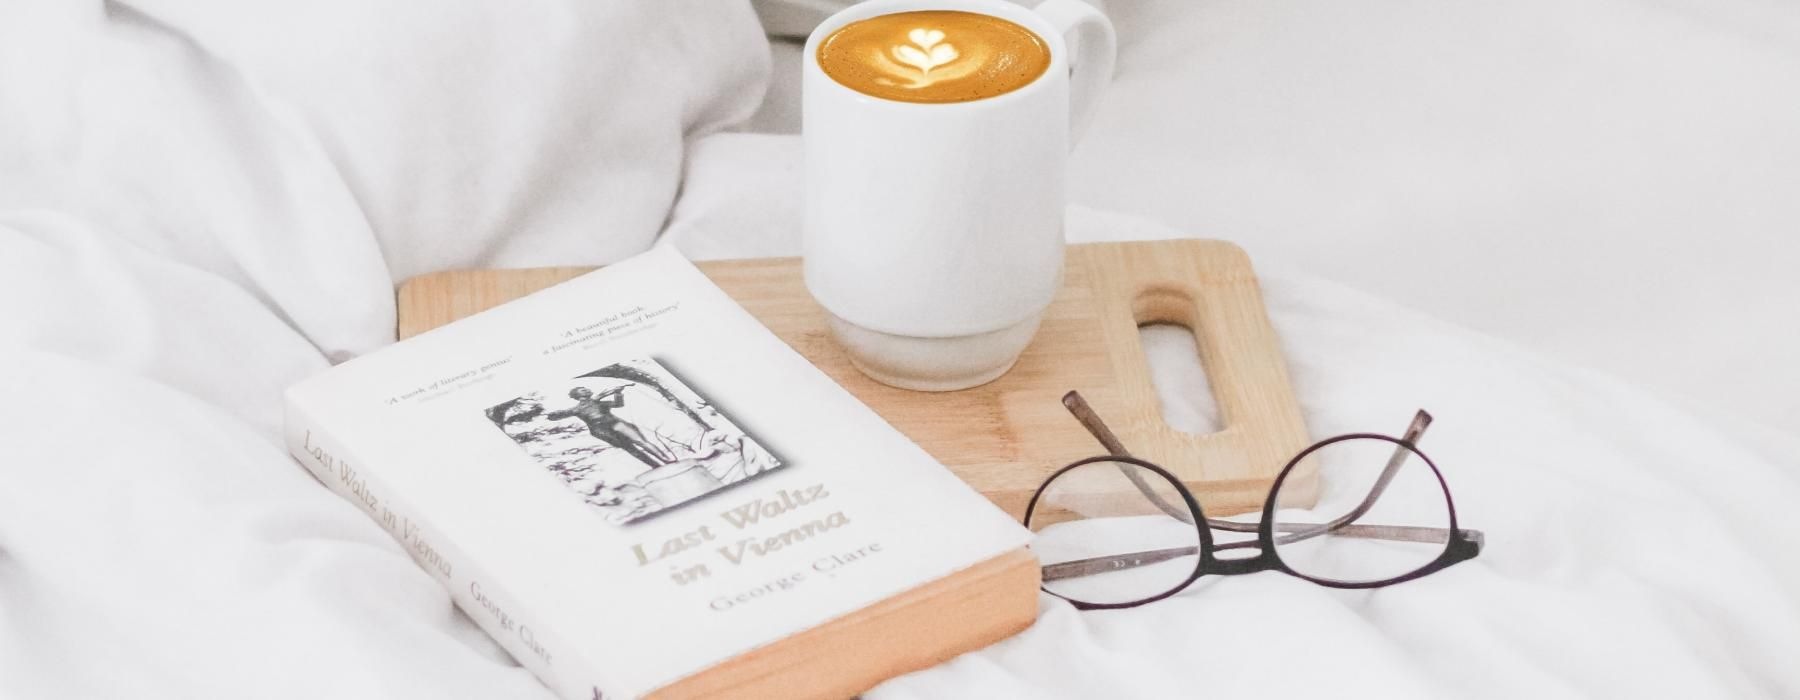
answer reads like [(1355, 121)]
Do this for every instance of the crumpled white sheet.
[(156, 541), (1634, 548)]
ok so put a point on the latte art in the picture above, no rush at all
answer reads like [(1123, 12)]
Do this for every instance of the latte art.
[(934, 56), (930, 53)]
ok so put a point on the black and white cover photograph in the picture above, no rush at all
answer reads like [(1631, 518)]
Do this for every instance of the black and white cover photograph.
[(631, 439)]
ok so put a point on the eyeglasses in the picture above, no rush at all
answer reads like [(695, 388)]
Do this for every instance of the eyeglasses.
[(1381, 515)]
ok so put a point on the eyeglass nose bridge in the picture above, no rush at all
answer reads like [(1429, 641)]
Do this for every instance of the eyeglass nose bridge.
[(1263, 560)]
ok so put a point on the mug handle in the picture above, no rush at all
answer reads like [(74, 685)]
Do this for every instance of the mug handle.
[(1092, 67)]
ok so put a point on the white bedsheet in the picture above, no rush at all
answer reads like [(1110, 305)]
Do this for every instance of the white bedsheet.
[(156, 541), (1614, 519)]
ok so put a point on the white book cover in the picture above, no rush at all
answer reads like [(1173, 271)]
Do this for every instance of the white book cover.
[(626, 479)]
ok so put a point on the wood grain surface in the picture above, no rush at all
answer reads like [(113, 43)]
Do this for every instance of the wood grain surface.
[(1003, 438)]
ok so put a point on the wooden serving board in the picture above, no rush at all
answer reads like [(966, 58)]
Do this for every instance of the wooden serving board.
[(1003, 438)]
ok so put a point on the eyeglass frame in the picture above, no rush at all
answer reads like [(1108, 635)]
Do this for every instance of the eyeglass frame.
[(1460, 544)]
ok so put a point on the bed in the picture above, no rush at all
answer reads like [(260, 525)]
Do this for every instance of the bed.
[(201, 203)]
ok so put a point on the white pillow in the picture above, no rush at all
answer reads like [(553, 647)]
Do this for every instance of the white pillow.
[(481, 133), (794, 19)]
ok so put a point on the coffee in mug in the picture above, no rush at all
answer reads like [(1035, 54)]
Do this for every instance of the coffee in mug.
[(937, 135), (934, 56)]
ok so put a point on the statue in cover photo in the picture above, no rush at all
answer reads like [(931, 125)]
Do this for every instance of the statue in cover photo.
[(632, 439)]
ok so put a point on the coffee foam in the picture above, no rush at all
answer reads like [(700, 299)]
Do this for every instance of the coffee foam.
[(934, 56)]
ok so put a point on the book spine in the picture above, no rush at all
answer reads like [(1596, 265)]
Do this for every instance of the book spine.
[(480, 595)]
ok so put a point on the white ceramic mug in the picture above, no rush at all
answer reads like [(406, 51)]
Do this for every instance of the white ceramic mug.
[(934, 232)]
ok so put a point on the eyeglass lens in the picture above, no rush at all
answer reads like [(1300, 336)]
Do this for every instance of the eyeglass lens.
[(1111, 532), (1380, 513)]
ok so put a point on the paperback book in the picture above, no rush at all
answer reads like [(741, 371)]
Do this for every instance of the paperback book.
[(638, 490)]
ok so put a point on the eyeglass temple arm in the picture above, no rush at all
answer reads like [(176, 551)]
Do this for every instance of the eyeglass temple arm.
[(1421, 420), (1089, 419), (1119, 562), (1292, 532), (1084, 413)]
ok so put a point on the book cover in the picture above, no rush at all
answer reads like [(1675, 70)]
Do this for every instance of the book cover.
[(627, 480)]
